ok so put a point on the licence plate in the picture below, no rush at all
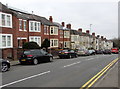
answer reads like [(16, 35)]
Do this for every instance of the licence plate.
[(23, 60), (62, 53)]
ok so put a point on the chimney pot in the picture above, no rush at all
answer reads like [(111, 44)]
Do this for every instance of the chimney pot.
[(80, 30), (50, 19), (93, 34), (87, 31), (98, 36), (68, 26), (63, 24)]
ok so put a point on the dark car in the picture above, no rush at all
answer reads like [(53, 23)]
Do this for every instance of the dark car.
[(99, 51), (107, 51), (35, 56), (67, 54), (5, 65)]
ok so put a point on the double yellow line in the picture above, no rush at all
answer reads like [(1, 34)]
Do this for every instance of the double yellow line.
[(88, 84)]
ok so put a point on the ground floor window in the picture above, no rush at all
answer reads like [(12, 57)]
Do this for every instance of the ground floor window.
[(66, 44), (6, 41), (36, 39), (54, 42)]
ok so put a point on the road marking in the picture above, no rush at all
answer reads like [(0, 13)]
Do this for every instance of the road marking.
[(90, 59), (72, 64), (25, 79), (88, 84)]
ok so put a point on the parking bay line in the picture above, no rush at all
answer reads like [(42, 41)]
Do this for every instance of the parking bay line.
[(25, 79), (72, 64)]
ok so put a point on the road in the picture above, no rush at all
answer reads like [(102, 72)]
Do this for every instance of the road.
[(60, 73)]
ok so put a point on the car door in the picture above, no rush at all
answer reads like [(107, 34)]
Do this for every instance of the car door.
[(45, 55), (72, 53)]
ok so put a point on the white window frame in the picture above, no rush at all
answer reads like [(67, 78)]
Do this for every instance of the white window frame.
[(35, 37), (47, 30), (21, 24), (6, 35), (38, 29), (53, 42), (67, 44), (55, 30), (66, 34), (6, 25), (25, 25)]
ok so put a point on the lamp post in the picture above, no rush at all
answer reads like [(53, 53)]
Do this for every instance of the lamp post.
[(90, 37)]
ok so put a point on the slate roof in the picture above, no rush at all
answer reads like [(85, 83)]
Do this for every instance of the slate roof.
[(74, 32), (25, 15), (60, 26), (4, 9)]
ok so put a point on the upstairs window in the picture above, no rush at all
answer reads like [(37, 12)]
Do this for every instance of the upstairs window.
[(25, 25), (53, 30), (34, 26), (8, 20), (5, 20), (20, 24), (46, 30)]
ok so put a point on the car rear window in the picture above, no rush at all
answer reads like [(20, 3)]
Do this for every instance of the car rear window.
[(32, 52), (64, 51)]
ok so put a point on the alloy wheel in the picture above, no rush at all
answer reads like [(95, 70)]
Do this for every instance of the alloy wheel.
[(4, 67)]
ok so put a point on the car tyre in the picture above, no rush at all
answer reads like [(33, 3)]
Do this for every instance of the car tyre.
[(51, 59), (35, 61), (70, 56), (5, 67)]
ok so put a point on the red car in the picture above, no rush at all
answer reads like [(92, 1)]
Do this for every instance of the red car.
[(115, 50)]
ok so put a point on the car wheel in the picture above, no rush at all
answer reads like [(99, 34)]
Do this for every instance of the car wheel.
[(51, 59), (70, 56), (76, 55), (35, 61), (4, 67)]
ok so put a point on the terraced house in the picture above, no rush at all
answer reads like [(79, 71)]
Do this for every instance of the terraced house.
[(18, 27)]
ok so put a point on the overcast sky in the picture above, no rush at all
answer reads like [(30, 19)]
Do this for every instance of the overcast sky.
[(103, 14)]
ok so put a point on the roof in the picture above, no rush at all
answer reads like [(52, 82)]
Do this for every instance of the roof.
[(4, 8), (74, 32), (60, 26), (25, 15)]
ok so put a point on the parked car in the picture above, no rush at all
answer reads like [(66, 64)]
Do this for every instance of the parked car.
[(99, 51), (115, 50), (82, 52), (91, 52), (35, 56), (5, 65), (107, 51), (67, 54)]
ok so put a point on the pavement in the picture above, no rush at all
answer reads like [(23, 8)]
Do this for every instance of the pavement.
[(110, 79)]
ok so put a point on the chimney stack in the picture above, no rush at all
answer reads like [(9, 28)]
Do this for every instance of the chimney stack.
[(63, 24), (68, 26), (80, 30), (98, 36), (50, 19), (102, 37), (93, 34), (87, 31)]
